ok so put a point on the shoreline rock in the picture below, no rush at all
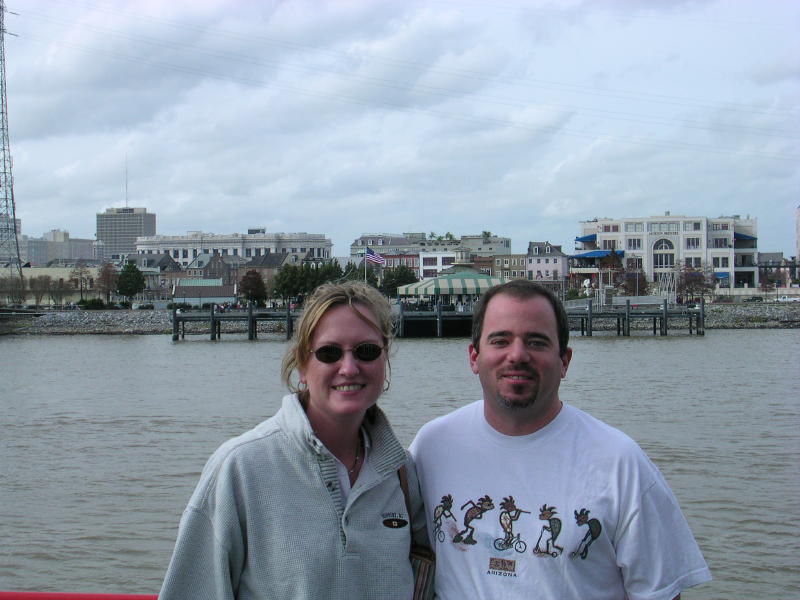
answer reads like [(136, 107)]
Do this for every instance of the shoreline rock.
[(159, 322)]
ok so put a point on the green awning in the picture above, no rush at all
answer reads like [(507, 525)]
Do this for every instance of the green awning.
[(454, 283)]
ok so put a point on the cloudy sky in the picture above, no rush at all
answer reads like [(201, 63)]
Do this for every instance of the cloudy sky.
[(350, 116)]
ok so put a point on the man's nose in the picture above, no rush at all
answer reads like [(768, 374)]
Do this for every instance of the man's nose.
[(518, 351)]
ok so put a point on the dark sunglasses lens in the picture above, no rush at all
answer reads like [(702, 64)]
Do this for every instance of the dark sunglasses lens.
[(367, 352), (328, 354)]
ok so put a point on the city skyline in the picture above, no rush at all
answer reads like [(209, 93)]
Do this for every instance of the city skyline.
[(518, 118)]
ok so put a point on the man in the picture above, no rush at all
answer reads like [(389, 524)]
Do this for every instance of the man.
[(596, 519)]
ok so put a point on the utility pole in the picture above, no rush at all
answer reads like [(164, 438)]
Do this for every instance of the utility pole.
[(9, 234)]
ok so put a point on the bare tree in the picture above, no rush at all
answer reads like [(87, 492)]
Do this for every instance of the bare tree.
[(12, 290), (107, 280), (694, 282), (58, 290), (40, 286), (80, 276)]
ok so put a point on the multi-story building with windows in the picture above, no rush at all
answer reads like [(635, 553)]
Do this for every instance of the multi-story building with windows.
[(546, 262), (118, 228), (53, 245), (256, 242), (660, 245), (414, 243), (510, 266)]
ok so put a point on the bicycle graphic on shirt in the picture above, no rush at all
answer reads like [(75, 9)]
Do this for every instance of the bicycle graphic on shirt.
[(508, 515)]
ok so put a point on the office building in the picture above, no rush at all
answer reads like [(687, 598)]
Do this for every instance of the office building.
[(118, 228)]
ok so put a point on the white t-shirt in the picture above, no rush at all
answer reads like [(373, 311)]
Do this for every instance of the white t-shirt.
[(574, 510)]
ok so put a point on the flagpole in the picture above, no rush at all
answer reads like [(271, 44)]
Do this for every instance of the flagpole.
[(365, 266)]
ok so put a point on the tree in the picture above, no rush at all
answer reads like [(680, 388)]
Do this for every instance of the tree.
[(107, 280), (58, 290), (80, 276), (289, 282), (13, 290), (40, 286), (695, 283), (611, 264), (486, 235), (634, 282), (354, 273), (449, 236), (252, 287), (130, 281), (395, 277), (432, 235)]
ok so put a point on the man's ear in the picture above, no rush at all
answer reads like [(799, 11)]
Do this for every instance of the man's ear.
[(473, 358)]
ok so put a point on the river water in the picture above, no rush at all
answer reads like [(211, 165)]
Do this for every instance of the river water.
[(103, 438)]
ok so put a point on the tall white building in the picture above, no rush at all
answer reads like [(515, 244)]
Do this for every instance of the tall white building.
[(658, 245), (256, 242)]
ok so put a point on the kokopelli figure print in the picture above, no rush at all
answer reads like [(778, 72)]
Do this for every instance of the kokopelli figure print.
[(440, 512), (474, 512), (546, 544), (582, 518), (508, 515)]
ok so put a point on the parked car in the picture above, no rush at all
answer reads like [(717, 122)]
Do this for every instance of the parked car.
[(753, 299), (789, 299)]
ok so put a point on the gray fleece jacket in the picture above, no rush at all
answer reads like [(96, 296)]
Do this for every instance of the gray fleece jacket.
[(266, 520)]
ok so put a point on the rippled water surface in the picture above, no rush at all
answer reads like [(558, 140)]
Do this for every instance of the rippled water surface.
[(103, 438)]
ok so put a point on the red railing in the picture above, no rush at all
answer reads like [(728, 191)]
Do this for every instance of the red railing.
[(63, 596)]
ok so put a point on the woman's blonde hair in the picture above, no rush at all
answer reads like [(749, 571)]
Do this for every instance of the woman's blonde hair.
[(325, 297)]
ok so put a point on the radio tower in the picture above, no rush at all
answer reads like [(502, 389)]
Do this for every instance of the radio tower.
[(9, 242)]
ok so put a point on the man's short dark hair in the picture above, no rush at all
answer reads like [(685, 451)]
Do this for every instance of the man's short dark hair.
[(522, 289)]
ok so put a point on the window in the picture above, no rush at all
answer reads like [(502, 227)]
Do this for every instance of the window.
[(448, 260), (547, 261), (369, 242), (634, 244), (720, 243), (429, 261), (609, 244), (692, 243), (194, 252), (536, 249), (720, 262), (224, 252), (664, 227), (547, 249), (505, 262), (692, 262), (555, 273), (429, 272), (185, 253), (634, 227), (719, 226), (380, 242), (175, 253), (692, 225), (496, 262), (633, 263), (663, 261), (555, 261), (663, 245)]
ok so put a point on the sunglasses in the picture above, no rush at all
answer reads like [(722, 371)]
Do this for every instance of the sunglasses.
[(331, 353)]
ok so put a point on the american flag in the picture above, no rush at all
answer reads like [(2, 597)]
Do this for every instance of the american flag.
[(373, 256)]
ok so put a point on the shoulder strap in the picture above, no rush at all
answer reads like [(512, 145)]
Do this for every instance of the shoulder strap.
[(401, 473)]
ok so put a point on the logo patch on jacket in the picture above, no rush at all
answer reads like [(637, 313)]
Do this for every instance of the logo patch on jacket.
[(395, 523)]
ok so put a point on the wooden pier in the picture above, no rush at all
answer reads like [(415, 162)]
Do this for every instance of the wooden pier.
[(215, 319), (451, 323)]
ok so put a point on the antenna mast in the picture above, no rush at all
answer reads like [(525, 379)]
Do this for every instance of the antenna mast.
[(9, 238)]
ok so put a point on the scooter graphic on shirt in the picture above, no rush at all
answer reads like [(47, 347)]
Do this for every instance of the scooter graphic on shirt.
[(546, 544), (475, 512)]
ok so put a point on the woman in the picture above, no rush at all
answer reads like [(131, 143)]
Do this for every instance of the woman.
[(308, 504)]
